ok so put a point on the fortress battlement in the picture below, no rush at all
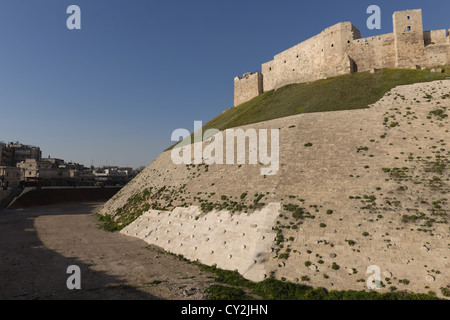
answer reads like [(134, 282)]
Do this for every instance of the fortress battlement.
[(340, 50)]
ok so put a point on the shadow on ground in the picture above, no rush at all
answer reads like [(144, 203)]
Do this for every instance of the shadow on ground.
[(29, 270)]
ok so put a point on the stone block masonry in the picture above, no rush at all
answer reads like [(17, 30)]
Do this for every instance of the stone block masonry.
[(340, 50), (247, 87), (368, 192), (241, 242)]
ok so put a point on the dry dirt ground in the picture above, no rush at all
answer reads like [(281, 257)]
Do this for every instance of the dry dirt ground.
[(37, 245)]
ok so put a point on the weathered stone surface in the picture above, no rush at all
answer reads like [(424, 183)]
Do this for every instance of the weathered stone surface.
[(313, 267), (247, 87), (387, 274), (324, 175)]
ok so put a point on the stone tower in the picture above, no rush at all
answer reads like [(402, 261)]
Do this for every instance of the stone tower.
[(409, 40), (247, 87)]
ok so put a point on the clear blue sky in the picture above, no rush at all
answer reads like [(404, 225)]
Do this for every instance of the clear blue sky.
[(114, 91)]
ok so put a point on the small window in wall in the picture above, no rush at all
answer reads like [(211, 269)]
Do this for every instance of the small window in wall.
[(284, 61), (270, 69), (332, 45), (408, 17), (348, 41), (408, 28)]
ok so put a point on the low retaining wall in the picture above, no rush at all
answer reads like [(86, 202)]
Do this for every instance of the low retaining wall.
[(49, 196)]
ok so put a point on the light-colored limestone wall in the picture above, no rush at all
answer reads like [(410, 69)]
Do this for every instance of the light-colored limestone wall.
[(340, 50), (409, 42), (437, 48), (320, 56), (435, 37), (373, 52), (294, 65), (247, 87), (239, 242), (336, 42)]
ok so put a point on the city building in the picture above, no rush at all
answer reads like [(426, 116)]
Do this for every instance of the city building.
[(9, 177), (43, 172), (6, 155), (83, 177), (112, 176), (22, 165), (13, 153)]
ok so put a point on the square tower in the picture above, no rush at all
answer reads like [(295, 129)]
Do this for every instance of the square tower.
[(409, 39), (247, 87), (336, 40)]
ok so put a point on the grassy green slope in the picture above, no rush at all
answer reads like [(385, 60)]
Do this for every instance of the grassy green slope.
[(347, 92), (353, 91)]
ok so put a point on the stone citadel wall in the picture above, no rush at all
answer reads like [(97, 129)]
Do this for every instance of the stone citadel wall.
[(316, 58), (247, 87), (376, 179), (340, 50)]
